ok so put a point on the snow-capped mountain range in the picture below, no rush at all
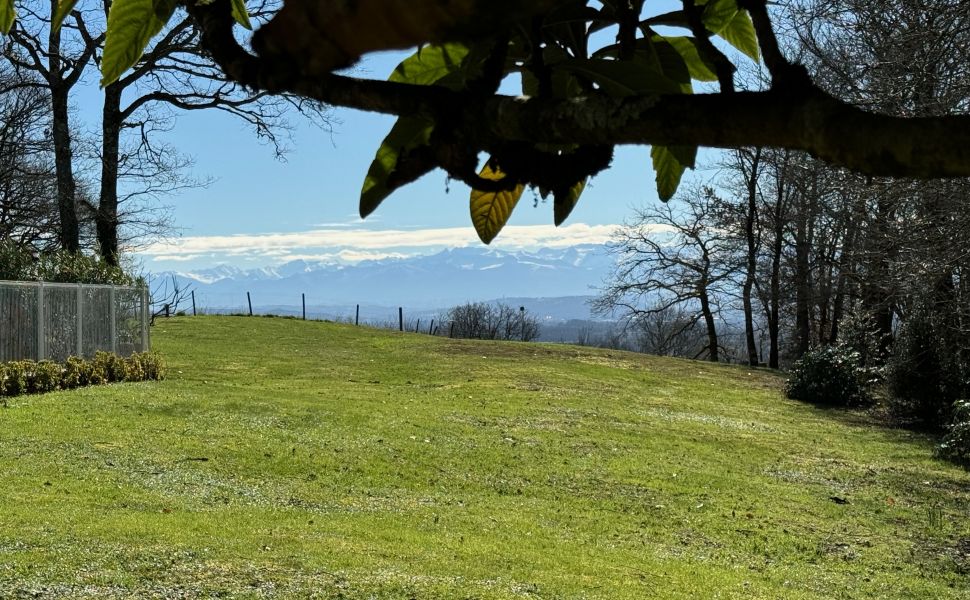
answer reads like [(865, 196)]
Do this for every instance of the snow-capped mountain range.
[(420, 283)]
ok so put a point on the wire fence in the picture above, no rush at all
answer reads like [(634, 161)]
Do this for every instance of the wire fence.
[(52, 321)]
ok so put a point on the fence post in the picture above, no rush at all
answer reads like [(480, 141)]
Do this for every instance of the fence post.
[(431, 327), (144, 317), (250, 301), (303, 295), (80, 320), (417, 326), (41, 335), (193, 303), (357, 316), (451, 330), (400, 318), (114, 322)]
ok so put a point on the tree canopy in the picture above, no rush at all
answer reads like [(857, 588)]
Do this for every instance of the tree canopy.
[(593, 75)]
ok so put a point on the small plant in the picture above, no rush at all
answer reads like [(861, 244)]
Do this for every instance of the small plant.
[(29, 377), (14, 378), (830, 375), (46, 377), (77, 373), (956, 443)]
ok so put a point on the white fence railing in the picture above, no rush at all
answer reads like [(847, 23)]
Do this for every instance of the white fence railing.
[(56, 320)]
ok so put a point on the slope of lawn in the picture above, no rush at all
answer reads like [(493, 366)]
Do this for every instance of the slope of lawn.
[(289, 459)]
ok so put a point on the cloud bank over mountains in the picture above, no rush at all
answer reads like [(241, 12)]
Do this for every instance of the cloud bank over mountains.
[(421, 282), (356, 244)]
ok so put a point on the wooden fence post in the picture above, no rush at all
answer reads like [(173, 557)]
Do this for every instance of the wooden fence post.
[(193, 303), (80, 320), (400, 318), (303, 295), (431, 327), (357, 316), (114, 320), (417, 326), (451, 330), (41, 334), (250, 301)]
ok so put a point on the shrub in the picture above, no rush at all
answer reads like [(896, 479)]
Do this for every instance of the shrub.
[(924, 373), (956, 443), (152, 365), (830, 375), (76, 373), (14, 378), (46, 377), (27, 376), (134, 371)]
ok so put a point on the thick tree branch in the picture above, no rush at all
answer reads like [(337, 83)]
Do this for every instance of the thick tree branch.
[(793, 115)]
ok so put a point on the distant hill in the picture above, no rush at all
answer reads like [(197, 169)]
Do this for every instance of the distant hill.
[(554, 284)]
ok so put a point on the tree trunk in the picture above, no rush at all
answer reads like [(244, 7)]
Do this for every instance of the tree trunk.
[(777, 245), (752, 259), (802, 279), (107, 213), (69, 234)]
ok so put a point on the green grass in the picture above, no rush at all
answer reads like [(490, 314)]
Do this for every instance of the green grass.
[(290, 459)]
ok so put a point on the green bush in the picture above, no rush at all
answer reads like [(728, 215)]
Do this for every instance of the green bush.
[(830, 375), (925, 374), (152, 365), (18, 264), (956, 443), (107, 368), (46, 377), (29, 377), (14, 378), (76, 373)]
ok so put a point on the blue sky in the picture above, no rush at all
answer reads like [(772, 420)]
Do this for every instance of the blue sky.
[(259, 211), (313, 194)]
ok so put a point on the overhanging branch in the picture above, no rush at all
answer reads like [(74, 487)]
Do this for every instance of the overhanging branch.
[(796, 116)]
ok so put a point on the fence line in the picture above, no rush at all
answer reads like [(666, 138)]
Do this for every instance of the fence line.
[(53, 321)]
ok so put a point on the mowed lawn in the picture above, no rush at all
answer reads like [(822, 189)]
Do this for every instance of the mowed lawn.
[(302, 459)]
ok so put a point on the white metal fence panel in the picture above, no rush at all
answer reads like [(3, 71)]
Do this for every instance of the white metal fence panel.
[(54, 320)]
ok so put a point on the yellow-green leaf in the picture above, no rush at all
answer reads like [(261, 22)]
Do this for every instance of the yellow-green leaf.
[(7, 16), (740, 33), (670, 162), (240, 14), (565, 203), (408, 133), (131, 25), (491, 210), (431, 64), (698, 66), (64, 8)]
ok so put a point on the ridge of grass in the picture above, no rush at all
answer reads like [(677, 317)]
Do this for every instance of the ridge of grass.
[(305, 459)]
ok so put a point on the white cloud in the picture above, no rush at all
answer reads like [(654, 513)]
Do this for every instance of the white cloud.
[(352, 244)]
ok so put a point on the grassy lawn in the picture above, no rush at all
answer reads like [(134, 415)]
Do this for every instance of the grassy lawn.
[(291, 459)]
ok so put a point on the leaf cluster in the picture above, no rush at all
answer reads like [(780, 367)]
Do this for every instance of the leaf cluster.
[(557, 55)]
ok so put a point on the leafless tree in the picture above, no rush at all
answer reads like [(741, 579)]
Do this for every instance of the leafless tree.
[(674, 255), (175, 73)]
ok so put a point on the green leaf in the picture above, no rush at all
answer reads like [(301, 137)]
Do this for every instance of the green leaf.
[(491, 210), (740, 33), (697, 65), (407, 134), (431, 64), (131, 25), (718, 14), (623, 77), (240, 14), (7, 16), (565, 203), (64, 8), (670, 162)]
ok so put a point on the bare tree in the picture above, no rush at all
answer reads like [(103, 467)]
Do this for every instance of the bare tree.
[(674, 255), (175, 73)]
